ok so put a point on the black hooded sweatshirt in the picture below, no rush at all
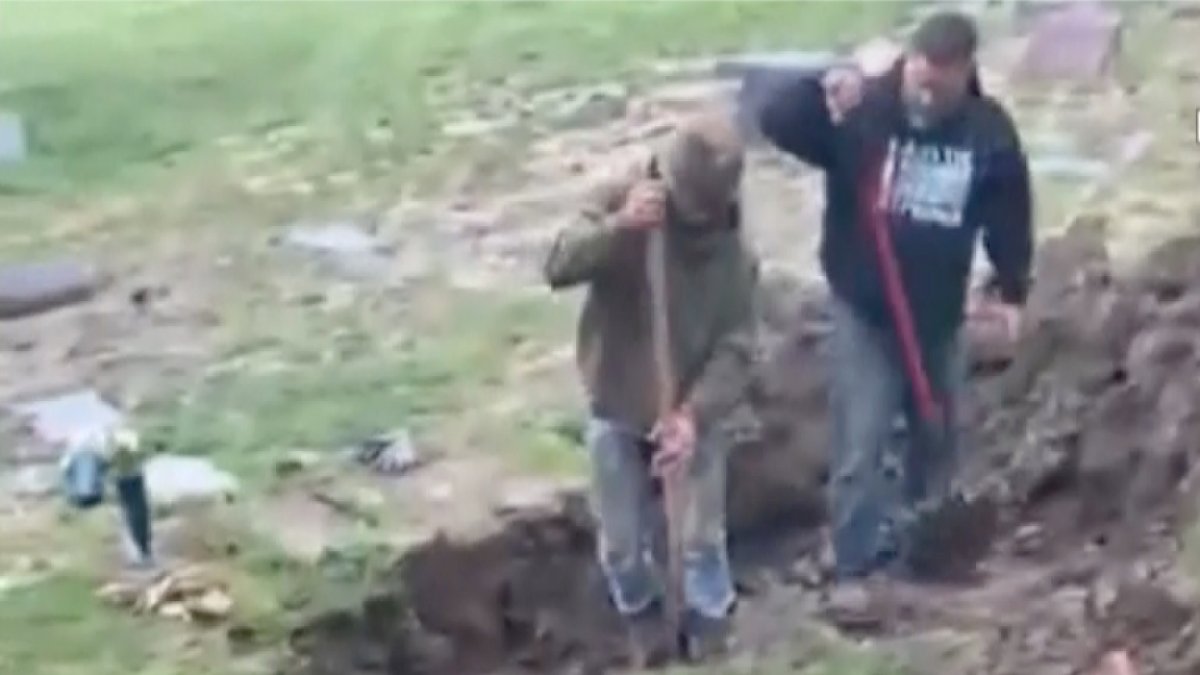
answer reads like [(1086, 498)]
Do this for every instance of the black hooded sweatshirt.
[(947, 184)]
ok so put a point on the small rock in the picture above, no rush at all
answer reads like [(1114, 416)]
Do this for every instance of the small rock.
[(175, 479), (213, 605), (390, 454), (119, 594)]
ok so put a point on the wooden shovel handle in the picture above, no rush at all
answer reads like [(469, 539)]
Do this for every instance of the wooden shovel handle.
[(656, 275)]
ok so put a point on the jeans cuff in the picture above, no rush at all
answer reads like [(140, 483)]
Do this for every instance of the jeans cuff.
[(631, 592), (709, 585), (713, 609)]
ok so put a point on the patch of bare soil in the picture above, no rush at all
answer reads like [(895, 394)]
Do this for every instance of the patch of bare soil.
[(1088, 438)]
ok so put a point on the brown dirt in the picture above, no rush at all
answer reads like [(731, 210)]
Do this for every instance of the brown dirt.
[(1088, 438)]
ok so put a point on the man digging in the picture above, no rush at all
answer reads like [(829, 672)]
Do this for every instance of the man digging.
[(688, 193), (918, 162)]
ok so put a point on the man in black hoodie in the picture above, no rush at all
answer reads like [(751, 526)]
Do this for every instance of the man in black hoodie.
[(924, 156)]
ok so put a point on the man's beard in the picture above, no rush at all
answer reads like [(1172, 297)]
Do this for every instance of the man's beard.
[(920, 109), (923, 111)]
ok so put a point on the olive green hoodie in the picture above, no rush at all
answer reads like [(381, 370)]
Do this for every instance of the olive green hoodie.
[(710, 287)]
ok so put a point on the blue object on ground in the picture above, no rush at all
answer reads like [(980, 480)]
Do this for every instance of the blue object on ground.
[(83, 478)]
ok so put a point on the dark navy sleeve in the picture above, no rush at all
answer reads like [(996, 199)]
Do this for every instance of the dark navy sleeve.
[(793, 116), (1007, 214)]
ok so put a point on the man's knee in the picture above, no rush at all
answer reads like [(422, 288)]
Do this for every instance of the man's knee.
[(867, 385), (615, 452)]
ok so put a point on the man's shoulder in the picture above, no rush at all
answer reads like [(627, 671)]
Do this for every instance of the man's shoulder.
[(993, 121)]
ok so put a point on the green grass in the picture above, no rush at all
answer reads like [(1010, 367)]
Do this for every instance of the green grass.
[(62, 612), (324, 381), (116, 88)]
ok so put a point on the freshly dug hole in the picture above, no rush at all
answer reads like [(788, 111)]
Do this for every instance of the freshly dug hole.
[(527, 599)]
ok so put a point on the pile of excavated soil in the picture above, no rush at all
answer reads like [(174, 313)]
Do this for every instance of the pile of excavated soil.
[(1088, 437)]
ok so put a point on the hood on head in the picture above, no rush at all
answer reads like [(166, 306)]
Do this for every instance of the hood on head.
[(701, 163)]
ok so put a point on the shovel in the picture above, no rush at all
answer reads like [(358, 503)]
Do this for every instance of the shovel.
[(933, 541), (673, 483)]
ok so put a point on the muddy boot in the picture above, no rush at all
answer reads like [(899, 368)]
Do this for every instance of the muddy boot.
[(705, 638), (949, 539), (650, 644)]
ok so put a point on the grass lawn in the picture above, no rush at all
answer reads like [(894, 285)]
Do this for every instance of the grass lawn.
[(148, 120), (117, 89)]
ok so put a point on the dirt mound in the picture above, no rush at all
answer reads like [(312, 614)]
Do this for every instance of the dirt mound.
[(1096, 423), (1088, 436)]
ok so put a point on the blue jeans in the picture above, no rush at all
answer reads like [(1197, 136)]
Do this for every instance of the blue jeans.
[(875, 481), (629, 523)]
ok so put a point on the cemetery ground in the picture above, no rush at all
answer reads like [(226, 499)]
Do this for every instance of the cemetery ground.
[(171, 143), (320, 224)]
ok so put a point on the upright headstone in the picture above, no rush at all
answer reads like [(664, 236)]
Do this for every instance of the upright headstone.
[(1080, 42)]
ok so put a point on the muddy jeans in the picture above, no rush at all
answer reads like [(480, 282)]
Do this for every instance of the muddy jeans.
[(876, 481), (629, 523)]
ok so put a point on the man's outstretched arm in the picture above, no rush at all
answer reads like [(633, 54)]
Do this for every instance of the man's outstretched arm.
[(793, 115)]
